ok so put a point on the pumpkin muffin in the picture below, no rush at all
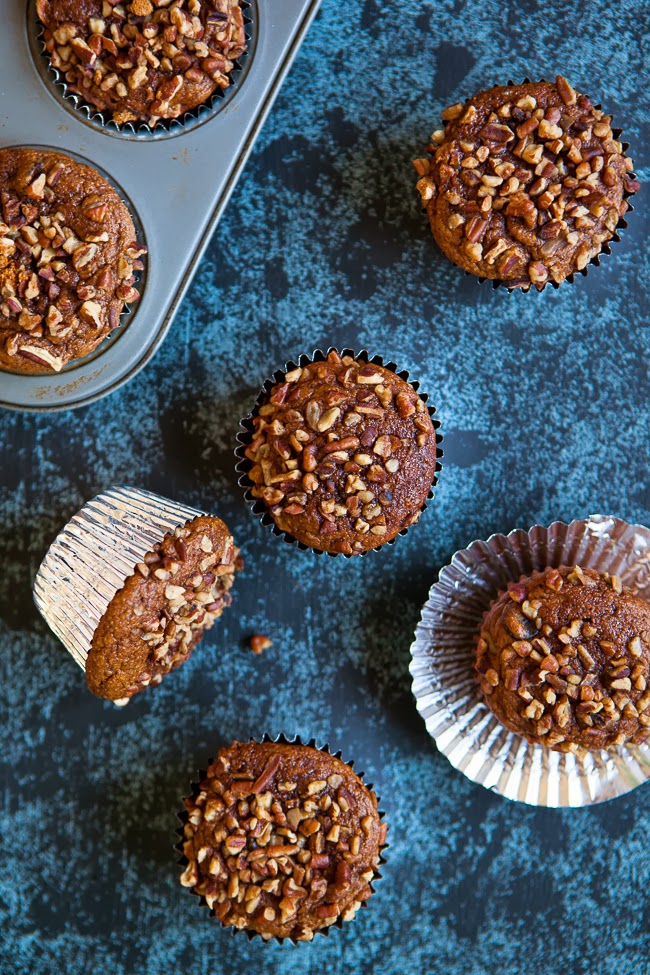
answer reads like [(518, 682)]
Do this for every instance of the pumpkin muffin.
[(563, 660), (526, 183), (143, 60), (155, 620), (343, 454), (281, 839), (68, 253)]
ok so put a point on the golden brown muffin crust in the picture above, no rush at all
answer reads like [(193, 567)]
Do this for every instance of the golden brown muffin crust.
[(563, 659), (344, 454), (143, 59), (68, 251), (282, 839), (153, 623), (526, 183)]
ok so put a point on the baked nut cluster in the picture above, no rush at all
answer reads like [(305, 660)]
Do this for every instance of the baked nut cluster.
[(146, 59), (343, 454), (563, 659), (525, 183), (68, 253), (153, 623), (281, 839)]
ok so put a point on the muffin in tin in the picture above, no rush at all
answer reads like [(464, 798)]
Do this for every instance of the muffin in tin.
[(68, 257), (563, 659), (281, 839), (526, 183), (140, 60), (155, 620), (343, 454)]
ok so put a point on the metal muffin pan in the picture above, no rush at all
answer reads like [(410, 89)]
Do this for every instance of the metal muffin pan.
[(176, 186)]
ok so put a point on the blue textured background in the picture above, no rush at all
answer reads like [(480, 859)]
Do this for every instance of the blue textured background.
[(545, 412)]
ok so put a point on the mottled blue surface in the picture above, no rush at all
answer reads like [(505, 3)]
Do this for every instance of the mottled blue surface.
[(544, 404)]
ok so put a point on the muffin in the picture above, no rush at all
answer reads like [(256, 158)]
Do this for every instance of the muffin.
[(343, 454), (154, 622), (281, 839), (563, 659), (525, 183), (143, 60), (131, 584), (68, 252)]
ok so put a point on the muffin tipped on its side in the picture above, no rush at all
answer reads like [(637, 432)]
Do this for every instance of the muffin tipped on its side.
[(563, 660), (153, 623), (526, 183)]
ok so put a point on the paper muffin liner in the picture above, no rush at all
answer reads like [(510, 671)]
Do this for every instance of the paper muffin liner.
[(442, 663), (244, 465), (165, 128), (605, 250), (92, 557), (184, 862), (130, 308)]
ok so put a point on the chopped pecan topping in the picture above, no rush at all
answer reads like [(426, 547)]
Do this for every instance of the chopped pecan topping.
[(579, 677), (343, 454), (281, 839), (68, 262), (142, 60), (526, 183)]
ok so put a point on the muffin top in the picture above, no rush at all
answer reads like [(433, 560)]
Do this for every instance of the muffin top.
[(153, 623), (68, 251), (343, 453), (563, 660), (282, 839), (526, 183), (145, 59)]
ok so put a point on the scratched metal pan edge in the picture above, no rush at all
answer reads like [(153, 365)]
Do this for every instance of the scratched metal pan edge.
[(38, 118)]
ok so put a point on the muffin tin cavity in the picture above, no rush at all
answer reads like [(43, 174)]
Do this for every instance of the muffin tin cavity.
[(140, 130)]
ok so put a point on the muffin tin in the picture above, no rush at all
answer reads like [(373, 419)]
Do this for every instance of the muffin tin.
[(176, 181)]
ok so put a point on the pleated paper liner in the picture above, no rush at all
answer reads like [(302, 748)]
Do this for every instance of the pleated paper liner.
[(164, 128), (254, 935), (244, 465), (605, 250), (92, 557), (445, 687)]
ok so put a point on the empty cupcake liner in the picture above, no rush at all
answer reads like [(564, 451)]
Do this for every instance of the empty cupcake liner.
[(442, 666), (165, 128), (605, 250), (244, 465), (183, 861), (92, 557)]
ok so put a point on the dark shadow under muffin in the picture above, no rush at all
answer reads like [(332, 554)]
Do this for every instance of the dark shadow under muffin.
[(563, 660), (526, 183), (153, 623), (281, 839)]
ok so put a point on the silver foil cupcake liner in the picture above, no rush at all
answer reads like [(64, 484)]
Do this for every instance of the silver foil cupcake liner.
[(442, 666), (244, 465), (92, 557), (183, 861), (605, 250), (165, 128)]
